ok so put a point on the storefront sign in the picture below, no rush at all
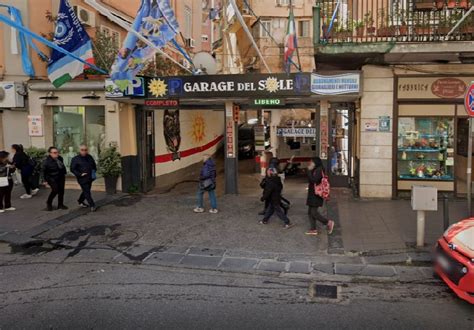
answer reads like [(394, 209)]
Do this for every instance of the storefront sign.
[(136, 89), (230, 143), (236, 113), (384, 124), (347, 83), (423, 87), (259, 131), (324, 134), (165, 104), (35, 125), (469, 100), (264, 103), (217, 86), (296, 131)]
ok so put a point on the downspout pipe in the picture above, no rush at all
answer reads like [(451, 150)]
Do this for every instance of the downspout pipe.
[(316, 25)]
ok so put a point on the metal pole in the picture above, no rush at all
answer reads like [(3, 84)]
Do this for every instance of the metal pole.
[(420, 228), (316, 25), (445, 211), (469, 170)]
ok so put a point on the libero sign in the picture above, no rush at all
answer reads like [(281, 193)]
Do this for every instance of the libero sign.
[(218, 86)]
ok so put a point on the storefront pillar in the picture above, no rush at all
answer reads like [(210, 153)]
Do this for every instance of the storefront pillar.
[(231, 160)]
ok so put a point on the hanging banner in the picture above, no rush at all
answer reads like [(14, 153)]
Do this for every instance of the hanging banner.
[(296, 132), (347, 83)]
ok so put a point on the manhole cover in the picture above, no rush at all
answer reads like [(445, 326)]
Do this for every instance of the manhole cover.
[(324, 291)]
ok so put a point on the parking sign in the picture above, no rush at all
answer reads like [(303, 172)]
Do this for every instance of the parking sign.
[(469, 100)]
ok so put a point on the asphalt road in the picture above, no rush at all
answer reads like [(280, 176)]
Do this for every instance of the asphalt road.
[(42, 294)]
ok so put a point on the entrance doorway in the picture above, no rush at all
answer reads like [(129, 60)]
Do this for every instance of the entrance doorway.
[(340, 144), (146, 148)]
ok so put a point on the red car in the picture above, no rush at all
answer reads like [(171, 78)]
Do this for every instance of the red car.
[(454, 259)]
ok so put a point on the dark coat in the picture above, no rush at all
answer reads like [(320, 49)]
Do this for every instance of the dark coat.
[(23, 162), (4, 170), (208, 171), (54, 170), (314, 177), (80, 165), (272, 190)]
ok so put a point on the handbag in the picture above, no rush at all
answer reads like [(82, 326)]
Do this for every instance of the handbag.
[(4, 179), (207, 184), (94, 175), (323, 189)]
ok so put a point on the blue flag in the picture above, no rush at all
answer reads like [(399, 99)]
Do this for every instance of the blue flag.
[(70, 36), (156, 22)]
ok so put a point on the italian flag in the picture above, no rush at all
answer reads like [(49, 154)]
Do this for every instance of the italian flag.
[(290, 39)]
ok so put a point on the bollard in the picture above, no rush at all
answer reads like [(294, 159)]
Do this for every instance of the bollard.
[(445, 212), (420, 228)]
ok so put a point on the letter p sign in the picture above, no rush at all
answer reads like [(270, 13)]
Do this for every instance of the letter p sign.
[(175, 86)]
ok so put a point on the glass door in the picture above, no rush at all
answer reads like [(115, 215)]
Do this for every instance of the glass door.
[(340, 155)]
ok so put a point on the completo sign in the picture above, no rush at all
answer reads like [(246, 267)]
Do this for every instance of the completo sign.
[(347, 83), (136, 89), (422, 87), (217, 86), (262, 103), (230, 143), (167, 104), (448, 88), (469, 100), (296, 131), (35, 126)]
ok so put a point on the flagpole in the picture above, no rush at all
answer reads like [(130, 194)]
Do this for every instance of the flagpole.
[(296, 35), (104, 11)]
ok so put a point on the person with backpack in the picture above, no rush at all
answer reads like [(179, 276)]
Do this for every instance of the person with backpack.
[(207, 182), (272, 193), (6, 183), (26, 166), (318, 191)]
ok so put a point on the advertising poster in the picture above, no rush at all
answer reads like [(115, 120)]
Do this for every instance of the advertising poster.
[(35, 125)]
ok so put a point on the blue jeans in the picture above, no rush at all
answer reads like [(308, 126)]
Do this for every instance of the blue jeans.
[(212, 198)]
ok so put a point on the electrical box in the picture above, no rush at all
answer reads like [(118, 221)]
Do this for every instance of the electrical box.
[(424, 198)]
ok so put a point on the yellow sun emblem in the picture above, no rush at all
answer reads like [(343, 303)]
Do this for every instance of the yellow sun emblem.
[(271, 85), (198, 132), (158, 88)]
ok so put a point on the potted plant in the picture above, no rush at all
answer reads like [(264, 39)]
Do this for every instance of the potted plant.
[(110, 167), (369, 23), (467, 27), (451, 4), (444, 25), (344, 33), (385, 29), (464, 4), (359, 27), (38, 155), (439, 4)]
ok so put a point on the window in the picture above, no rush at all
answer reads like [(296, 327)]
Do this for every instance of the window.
[(265, 28), (283, 2), (204, 38), (303, 29), (188, 22), (76, 125), (113, 34)]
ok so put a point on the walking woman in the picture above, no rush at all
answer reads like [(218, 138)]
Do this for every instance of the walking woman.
[(6, 182), (316, 173), (54, 173), (207, 182), (26, 167)]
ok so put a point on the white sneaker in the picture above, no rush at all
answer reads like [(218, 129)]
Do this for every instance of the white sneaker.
[(34, 191), (10, 209), (26, 196), (198, 210), (213, 211), (2, 211)]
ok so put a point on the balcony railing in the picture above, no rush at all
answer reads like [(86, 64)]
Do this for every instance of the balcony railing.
[(366, 21)]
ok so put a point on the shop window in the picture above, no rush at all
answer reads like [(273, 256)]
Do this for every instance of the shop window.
[(78, 125), (426, 148)]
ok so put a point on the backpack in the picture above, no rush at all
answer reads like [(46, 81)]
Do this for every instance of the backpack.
[(323, 189)]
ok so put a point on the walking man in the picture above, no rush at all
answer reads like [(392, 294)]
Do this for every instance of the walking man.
[(314, 202), (83, 166), (54, 173), (207, 182)]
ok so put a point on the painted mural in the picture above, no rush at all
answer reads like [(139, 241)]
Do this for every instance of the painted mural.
[(172, 132)]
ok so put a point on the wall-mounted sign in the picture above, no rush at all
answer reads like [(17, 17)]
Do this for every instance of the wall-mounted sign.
[(346, 83), (218, 86), (35, 125), (230, 143), (324, 134), (259, 137), (266, 103), (236, 113), (165, 104), (371, 125), (422, 87), (469, 100), (384, 124), (135, 89), (296, 132)]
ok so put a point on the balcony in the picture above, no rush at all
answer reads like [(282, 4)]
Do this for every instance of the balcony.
[(409, 21)]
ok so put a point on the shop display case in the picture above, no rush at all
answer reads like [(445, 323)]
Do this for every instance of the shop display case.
[(425, 148)]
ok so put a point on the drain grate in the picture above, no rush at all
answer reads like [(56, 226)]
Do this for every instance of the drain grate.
[(325, 291)]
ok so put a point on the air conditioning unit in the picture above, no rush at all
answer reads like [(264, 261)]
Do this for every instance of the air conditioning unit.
[(190, 42), (9, 96), (85, 16)]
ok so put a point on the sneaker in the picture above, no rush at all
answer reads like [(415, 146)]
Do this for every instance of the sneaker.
[(10, 209), (288, 226), (83, 205), (198, 210), (330, 227), (93, 209), (25, 196), (63, 207), (2, 211), (34, 191), (213, 211), (313, 232), (263, 222)]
